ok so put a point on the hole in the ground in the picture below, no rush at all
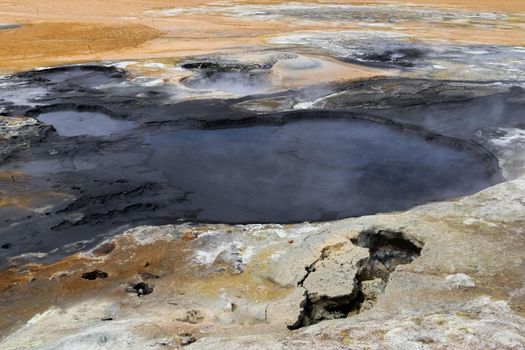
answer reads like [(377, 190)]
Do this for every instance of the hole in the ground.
[(95, 274), (140, 288), (387, 249)]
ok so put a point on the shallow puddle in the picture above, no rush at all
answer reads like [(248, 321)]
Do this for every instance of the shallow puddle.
[(73, 123)]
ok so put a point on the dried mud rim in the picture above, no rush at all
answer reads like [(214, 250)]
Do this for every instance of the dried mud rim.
[(225, 67), (39, 74), (220, 64), (404, 57), (35, 112)]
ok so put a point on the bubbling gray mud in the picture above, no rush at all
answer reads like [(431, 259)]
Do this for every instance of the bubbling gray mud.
[(310, 170), (73, 123)]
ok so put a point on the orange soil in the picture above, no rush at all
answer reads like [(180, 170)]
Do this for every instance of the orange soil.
[(42, 44), (70, 31), (60, 283)]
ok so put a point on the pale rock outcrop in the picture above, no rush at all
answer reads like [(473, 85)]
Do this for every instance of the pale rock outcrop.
[(442, 275)]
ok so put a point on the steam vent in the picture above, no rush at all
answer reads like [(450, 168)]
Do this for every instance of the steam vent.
[(263, 174)]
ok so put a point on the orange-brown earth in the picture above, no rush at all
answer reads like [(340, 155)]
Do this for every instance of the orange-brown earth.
[(28, 288), (65, 31), (52, 43)]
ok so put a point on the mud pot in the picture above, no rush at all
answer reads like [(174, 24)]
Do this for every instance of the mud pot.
[(108, 151)]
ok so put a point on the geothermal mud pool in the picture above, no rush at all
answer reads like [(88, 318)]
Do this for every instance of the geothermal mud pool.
[(313, 170), (263, 176), (109, 153)]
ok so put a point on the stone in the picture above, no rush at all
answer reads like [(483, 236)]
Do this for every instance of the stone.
[(192, 316), (373, 288), (229, 307), (316, 278), (459, 281), (333, 276)]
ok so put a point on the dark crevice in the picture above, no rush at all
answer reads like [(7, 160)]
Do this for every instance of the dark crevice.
[(140, 288), (95, 274), (387, 249), (311, 268)]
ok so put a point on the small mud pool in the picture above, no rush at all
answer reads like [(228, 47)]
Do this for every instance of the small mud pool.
[(72, 123), (310, 170)]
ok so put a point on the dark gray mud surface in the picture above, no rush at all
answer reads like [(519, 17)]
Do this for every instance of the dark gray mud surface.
[(208, 161), (309, 170), (73, 123)]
